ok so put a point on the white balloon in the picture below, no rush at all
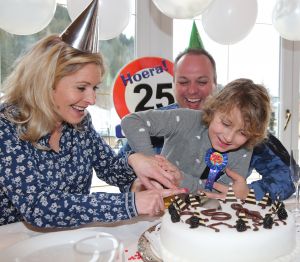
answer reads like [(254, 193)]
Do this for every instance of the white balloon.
[(114, 15), (182, 8), (229, 21), (27, 16), (286, 19)]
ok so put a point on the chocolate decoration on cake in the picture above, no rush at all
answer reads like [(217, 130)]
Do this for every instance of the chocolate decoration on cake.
[(172, 208), (187, 199), (250, 199), (216, 215), (187, 204), (182, 205), (241, 225), (265, 201), (175, 216), (236, 206), (274, 207), (196, 220), (193, 221), (268, 221), (194, 201), (230, 196), (254, 215), (281, 212), (242, 216)]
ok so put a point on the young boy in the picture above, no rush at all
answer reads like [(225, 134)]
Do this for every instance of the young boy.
[(203, 143)]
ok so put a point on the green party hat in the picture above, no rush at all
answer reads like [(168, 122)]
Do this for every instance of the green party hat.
[(195, 39)]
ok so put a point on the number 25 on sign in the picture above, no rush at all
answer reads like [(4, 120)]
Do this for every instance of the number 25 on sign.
[(145, 83)]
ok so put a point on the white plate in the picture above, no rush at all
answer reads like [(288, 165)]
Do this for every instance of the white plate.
[(49, 247), (144, 247)]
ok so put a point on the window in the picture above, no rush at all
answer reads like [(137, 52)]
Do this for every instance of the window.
[(255, 57), (262, 56)]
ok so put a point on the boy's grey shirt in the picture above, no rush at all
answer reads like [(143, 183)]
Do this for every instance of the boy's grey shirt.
[(186, 142)]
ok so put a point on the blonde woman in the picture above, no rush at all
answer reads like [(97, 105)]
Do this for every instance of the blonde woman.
[(49, 148)]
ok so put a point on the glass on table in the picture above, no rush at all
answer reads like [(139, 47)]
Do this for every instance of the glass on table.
[(295, 176), (102, 247)]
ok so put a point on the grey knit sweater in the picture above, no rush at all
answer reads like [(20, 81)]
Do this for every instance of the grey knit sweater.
[(186, 142)]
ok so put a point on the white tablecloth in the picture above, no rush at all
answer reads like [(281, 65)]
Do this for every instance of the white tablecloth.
[(128, 232)]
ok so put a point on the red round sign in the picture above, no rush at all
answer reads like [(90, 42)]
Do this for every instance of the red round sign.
[(144, 83)]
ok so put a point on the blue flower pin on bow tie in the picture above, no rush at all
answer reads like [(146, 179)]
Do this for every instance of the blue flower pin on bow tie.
[(216, 162)]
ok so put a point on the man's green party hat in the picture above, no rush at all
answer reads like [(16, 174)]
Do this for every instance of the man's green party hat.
[(195, 39)]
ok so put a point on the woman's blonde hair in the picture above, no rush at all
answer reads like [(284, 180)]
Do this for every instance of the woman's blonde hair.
[(251, 99), (28, 89)]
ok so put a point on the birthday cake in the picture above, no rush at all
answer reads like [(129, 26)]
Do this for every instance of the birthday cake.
[(196, 228)]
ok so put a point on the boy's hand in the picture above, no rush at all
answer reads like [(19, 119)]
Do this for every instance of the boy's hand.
[(239, 186)]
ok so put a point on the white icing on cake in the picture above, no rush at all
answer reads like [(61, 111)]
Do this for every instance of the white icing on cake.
[(180, 243)]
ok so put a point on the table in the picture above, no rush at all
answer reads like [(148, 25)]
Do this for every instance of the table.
[(128, 232)]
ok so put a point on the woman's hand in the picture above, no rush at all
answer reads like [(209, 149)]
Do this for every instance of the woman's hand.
[(173, 173), (151, 202), (155, 171), (137, 186), (239, 186)]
